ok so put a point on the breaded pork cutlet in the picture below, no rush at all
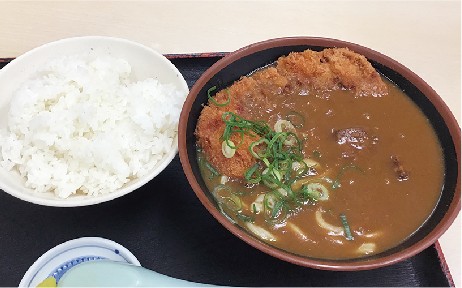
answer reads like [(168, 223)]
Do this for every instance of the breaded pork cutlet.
[(330, 69), (244, 94)]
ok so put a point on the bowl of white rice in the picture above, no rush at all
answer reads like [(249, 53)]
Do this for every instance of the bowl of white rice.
[(85, 120)]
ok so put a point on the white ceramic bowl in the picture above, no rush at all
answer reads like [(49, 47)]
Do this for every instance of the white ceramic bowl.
[(145, 63)]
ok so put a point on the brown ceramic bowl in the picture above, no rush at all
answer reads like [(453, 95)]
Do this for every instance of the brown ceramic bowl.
[(243, 61)]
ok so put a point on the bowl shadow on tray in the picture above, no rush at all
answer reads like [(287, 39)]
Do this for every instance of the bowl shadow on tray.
[(231, 72)]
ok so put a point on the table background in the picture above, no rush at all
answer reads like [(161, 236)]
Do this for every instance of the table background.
[(425, 36)]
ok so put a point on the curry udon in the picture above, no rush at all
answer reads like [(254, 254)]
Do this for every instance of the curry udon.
[(320, 156)]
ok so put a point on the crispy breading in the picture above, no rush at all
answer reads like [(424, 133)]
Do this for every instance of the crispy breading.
[(336, 68), (333, 68)]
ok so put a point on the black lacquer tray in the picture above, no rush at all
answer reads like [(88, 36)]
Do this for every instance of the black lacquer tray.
[(165, 226)]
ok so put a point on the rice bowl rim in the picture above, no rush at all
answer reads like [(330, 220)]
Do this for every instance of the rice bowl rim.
[(50, 199)]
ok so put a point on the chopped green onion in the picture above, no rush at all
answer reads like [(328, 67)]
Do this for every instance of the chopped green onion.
[(314, 191), (300, 168), (240, 193), (227, 150), (346, 227), (274, 207), (277, 208), (236, 124), (284, 192), (226, 214), (224, 196), (256, 144), (277, 150), (215, 101), (252, 175), (297, 119), (336, 184), (245, 218), (213, 171), (200, 155), (271, 178), (283, 126)]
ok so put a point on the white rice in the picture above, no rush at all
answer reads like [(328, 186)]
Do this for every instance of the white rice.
[(81, 126)]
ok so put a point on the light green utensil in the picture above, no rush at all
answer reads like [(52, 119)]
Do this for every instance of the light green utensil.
[(105, 273)]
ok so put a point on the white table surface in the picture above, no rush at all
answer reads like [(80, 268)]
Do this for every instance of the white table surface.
[(425, 36)]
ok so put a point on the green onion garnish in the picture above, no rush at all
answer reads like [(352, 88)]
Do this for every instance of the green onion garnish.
[(295, 118), (346, 227), (277, 209), (336, 184), (312, 191), (225, 197), (277, 151), (262, 153), (228, 149), (213, 171), (215, 101), (240, 193), (271, 147), (245, 218), (253, 175), (274, 207)]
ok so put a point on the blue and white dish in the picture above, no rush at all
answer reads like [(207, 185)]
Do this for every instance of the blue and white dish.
[(56, 261)]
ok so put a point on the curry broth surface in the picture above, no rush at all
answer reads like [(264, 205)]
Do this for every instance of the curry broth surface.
[(379, 207)]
